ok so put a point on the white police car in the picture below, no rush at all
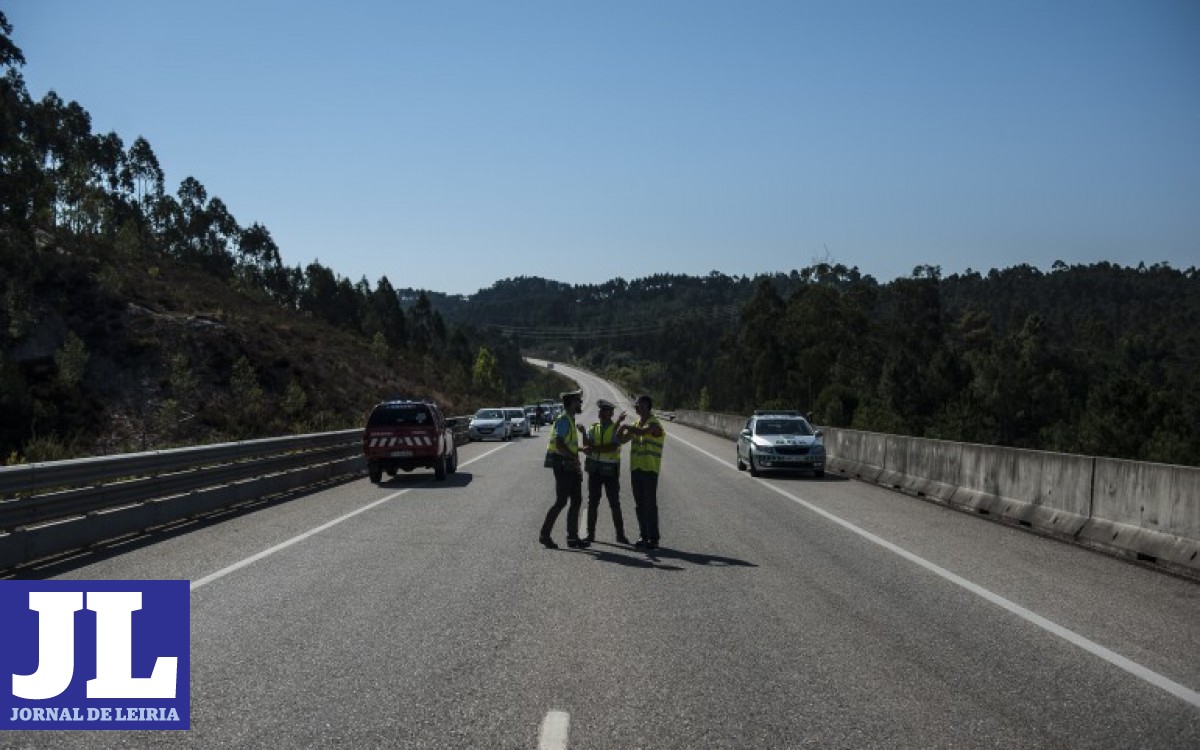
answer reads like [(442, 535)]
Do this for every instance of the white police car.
[(780, 440)]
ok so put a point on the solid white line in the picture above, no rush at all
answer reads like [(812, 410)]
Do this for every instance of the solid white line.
[(555, 728), (1132, 667), (300, 538)]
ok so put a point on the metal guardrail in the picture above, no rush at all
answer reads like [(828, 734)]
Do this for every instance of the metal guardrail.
[(59, 506), (37, 478), (54, 507)]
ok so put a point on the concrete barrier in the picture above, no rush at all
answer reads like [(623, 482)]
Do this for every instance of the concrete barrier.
[(726, 425), (858, 454), (1151, 509), (1048, 491), (1137, 509), (928, 468)]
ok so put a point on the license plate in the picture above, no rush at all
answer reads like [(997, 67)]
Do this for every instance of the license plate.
[(400, 454)]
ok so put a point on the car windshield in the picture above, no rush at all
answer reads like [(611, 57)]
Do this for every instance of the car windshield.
[(782, 427), (399, 414), (489, 414)]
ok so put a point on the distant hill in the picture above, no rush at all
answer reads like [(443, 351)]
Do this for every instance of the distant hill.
[(102, 356)]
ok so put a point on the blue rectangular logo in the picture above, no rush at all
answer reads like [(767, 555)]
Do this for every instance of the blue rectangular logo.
[(95, 655)]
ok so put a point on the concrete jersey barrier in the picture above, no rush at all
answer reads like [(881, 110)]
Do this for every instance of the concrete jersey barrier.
[(1138, 509)]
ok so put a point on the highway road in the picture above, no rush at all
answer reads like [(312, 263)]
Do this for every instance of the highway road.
[(780, 612)]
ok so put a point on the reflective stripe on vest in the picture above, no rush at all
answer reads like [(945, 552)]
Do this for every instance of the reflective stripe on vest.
[(605, 437), (572, 438), (645, 452)]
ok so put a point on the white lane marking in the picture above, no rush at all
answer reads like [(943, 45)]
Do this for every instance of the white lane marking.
[(1130, 666), (555, 728), (301, 537)]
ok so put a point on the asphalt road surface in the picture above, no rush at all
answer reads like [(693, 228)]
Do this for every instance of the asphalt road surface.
[(780, 612)]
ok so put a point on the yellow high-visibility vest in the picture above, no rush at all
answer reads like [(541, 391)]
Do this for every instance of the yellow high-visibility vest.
[(645, 452), (572, 439), (605, 438)]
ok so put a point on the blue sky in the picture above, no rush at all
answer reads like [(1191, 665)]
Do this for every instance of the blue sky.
[(451, 144)]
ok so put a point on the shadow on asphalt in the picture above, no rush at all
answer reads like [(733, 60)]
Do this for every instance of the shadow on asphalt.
[(419, 478), (637, 558), (806, 476)]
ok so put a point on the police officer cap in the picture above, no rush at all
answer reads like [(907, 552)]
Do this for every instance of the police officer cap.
[(565, 397), (604, 404)]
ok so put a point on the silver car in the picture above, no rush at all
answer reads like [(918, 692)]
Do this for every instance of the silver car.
[(780, 440), (517, 421), (489, 424)]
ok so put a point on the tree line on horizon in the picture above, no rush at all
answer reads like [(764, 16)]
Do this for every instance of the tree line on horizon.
[(1094, 359)]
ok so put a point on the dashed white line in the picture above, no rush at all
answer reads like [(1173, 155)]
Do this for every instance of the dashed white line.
[(555, 729), (1128, 665), (301, 537)]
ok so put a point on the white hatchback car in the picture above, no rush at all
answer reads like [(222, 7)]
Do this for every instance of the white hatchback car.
[(489, 424), (518, 421)]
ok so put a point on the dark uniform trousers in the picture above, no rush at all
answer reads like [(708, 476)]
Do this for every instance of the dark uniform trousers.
[(611, 486), (568, 486), (645, 501)]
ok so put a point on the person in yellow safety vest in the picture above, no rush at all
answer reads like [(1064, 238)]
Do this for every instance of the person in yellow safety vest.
[(602, 444), (562, 455), (645, 461)]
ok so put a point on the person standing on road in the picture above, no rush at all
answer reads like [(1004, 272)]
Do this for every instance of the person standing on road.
[(645, 462), (602, 443), (562, 455)]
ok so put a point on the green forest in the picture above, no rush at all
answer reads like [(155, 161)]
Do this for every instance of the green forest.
[(1094, 359), (133, 317)]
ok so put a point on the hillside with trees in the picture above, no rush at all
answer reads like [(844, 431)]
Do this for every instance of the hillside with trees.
[(133, 318), (1095, 359)]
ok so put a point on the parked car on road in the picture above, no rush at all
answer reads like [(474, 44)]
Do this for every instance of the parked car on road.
[(489, 424), (518, 421), (402, 435), (780, 440)]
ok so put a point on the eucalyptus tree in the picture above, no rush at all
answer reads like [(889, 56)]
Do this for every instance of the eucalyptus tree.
[(145, 174), (427, 330), (763, 351), (387, 314), (207, 231)]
